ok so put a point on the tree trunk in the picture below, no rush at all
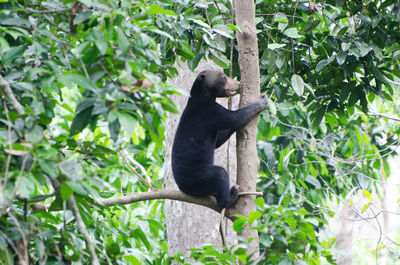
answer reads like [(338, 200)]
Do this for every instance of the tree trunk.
[(189, 225), (344, 239), (247, 157)]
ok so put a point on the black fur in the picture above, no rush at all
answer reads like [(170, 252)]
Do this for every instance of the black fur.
[(204, 126)]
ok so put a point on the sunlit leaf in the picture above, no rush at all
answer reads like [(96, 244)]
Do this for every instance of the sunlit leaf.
[(367, 195), (297, 84)]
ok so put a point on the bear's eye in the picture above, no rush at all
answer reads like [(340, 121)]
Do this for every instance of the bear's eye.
[(201, 77)]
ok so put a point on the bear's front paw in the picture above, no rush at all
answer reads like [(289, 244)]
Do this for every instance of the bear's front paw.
[(234, 193)]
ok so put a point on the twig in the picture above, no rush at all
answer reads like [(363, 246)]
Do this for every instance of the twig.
[(82, 228), (129, 159), (3, 184), (79, 222), (62, 10), (383, 115), (6, 90)]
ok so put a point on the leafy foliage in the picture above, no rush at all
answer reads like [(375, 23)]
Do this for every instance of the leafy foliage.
[(91, 76)]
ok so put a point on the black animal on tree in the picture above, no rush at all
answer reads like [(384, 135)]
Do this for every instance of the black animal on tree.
[(204, 126)]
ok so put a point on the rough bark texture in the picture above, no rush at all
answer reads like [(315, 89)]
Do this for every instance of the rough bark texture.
[(190, 225), (247, 158)]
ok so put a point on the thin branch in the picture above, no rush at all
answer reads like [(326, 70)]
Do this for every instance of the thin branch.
[(79, 222), (128, 159), (3, 184), (82, 228), (383, 115), (6, 90), (62, 10)]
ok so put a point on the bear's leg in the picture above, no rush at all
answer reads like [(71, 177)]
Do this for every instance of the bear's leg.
[(218, 178)]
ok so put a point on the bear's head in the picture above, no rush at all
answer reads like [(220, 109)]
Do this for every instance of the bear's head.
[(213, 84)]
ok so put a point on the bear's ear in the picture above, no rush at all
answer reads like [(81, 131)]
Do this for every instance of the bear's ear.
[(201, 76)]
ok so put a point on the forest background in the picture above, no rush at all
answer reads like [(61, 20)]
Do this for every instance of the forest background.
[(83, 116)]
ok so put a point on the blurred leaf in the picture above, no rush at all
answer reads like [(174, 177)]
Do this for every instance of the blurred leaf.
[(80, 121), (274, 46), (123, 42), (292, 33), (35, 135), (156, 9), (71, 169), (127, 121), (297, 84), (367, 195), (65, 191), (69, 80), (49, 167)]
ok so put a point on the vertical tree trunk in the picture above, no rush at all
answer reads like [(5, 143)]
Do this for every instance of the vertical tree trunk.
[(190, 225), (344, 239), (247, 158)]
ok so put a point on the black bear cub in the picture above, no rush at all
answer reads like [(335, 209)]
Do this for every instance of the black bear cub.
[(204, 126)]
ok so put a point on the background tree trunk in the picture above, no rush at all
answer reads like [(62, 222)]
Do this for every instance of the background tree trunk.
[(190, 225), (247, 157)]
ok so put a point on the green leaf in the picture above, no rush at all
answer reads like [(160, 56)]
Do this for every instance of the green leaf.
[(297, 84), (84, 104), (70, 168), (162, 33), (127, 121), (156, 9), (320, 112), (65, 191), (280, 18), (26, 186), (79, 80), (234, 27), (77, 187), (341, 57), (138, 233), (185, 51), (238, 225), (13, 53), (132, 260), (201, 23), (274, 46), (292, 33), (169, 105), (219, 59), (35, 135), (364, 48), (123, 42), (80, 121), (101, 43), (321, 65), (49, 167), (313, 181), (254, 216), (223, 30)]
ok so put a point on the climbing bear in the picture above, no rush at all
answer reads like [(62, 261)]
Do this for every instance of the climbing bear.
[(204, 126)]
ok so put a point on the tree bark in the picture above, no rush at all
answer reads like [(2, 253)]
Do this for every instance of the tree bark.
[(189, 225), (247, 157)]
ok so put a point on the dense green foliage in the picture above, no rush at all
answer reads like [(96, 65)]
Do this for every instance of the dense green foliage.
[(80, 69)]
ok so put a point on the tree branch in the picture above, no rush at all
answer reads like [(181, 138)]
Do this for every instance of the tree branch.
[(161, 194), (6, 90), (164, 194)]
